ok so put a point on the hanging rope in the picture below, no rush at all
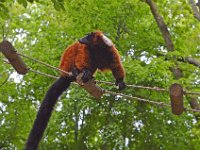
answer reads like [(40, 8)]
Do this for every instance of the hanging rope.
[(137, 86), (43, 74), (45, 64), (161, 104), (46, 75), (149, 88), (106, 82)]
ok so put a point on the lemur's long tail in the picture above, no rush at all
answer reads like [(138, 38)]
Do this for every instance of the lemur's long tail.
[(45, 112)]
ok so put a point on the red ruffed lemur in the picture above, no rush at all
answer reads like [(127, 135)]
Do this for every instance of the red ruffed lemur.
[(92, 52)]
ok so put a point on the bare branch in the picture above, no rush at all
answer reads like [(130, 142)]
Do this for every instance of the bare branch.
[(4, 82), (193, 61), (194, 105), (195, 9), (190, 60), (198, 5), (76, 121), (3, 31), (177, 72), (161, 24)]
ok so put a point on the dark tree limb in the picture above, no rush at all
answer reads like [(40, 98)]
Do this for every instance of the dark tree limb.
[(170, 47), (193, 61), (195, 9), (190, 60), (194, 105), (161, 24), (177, 72), (165, 32)]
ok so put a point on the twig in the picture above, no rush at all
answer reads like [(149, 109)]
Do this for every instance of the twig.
[(195, 9), (4, 82)]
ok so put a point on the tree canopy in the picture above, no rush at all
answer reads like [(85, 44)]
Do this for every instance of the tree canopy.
[(159, 43)]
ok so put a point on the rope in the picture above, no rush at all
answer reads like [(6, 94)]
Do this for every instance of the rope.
[(47, 75), (160, 104), (43, 74), (97, 81), (192, 110), (149, 88), (137, 98), (191, 93), (136, 86), (45, 64), (106, 82)]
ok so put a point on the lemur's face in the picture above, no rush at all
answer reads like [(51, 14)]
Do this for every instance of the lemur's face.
[(96, 39)]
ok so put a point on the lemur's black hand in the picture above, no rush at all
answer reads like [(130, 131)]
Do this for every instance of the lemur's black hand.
[(121, 84), (87, 75), (75, 73)]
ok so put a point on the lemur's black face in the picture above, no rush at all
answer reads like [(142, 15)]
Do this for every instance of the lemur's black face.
[(87, 39), (96, 39)]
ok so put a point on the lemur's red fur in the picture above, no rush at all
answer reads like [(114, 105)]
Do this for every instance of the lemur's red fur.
[(75, 55), (97, 55)]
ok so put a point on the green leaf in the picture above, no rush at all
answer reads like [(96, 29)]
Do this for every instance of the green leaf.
[(23, 2)]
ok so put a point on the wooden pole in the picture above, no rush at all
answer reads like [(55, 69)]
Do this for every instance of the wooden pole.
[(15, 60), (176, 96), (90, 86)]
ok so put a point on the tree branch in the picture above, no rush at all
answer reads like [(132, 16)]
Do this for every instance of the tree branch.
[(190, 60), (177, 72), (166, 35), (195, 9), (3, 31), (161, 24), (4, 82), (76, 121), (194, 105), (170, 47), (198, 5), (193, 61)]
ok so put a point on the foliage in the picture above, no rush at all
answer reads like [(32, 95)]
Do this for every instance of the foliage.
[(43, 29)]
